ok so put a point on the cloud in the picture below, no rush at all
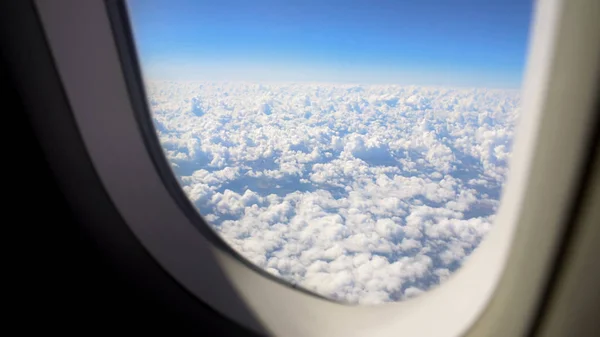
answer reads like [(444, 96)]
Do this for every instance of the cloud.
[(364, 194)]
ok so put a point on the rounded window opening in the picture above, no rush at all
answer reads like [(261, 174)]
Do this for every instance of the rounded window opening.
[(355, 149)]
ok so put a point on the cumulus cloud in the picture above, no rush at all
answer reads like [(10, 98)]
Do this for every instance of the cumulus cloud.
[(364, 194)]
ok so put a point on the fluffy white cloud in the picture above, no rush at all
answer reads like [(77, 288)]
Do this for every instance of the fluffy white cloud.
[(365, 194)]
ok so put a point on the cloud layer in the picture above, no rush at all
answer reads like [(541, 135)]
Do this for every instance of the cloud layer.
[(364, 194)]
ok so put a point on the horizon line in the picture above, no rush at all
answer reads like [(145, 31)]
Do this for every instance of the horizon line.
[(344, 83)]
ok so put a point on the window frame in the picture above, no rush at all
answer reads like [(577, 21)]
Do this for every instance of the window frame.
[(535, 206)]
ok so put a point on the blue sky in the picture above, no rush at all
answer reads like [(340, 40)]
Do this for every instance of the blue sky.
[(481, 43)]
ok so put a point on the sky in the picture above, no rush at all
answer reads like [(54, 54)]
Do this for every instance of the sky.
[(458, 43), (355, 149)]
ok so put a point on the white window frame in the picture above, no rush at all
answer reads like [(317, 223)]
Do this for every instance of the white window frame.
[(494, 294)]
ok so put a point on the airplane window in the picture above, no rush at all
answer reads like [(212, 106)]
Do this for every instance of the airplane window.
[(354, 149)]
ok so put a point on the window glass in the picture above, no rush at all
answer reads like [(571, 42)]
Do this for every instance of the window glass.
[(356, 149)]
